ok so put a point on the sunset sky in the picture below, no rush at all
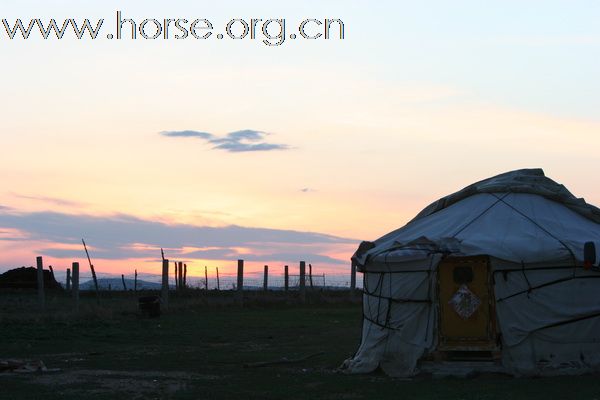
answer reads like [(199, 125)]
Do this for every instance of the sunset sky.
[(225, 149)]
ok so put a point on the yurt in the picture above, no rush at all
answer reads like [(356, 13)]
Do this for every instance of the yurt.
[(503, 271)]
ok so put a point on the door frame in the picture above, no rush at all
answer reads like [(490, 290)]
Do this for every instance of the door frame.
[(491, 342)]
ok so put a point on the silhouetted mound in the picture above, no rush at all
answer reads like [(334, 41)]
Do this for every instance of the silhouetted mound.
[(26, 278)]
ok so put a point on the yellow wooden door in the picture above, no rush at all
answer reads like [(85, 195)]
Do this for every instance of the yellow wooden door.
[(466, 304)]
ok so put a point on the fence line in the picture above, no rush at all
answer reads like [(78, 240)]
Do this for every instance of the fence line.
[(271, 278)]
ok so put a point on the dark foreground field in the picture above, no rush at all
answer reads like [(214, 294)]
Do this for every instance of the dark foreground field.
[(199, 352)]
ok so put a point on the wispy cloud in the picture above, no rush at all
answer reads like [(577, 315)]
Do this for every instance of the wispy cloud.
[(125, 236), (232, 254), (47, 199), (12, 234), (189, 134), (246, 140)]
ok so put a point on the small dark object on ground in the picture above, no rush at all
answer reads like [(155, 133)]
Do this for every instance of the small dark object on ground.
[(150, 306), (24, 366)]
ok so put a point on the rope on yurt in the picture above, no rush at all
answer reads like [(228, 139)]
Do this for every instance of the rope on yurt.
[(481, 214), (429, 283), (377, 293), (397, 247), (399, 300), (541, 227), (526, 279), (402, 272), (386, 323), (379, 287), (566, 322), (369, 293), (379, 324), (388, 314), (555, 282), (368, 318), (365, 316), (380, 297), (507, 270), (360, 341)]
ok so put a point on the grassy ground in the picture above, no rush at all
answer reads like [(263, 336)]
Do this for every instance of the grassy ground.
[(199, 352)]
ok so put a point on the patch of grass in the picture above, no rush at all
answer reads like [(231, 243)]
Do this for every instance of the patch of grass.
[(198, 351)]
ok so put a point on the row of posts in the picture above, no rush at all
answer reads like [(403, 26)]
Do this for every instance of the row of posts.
[(181, 278), (286, 277), (286, 280), (240, 280), (72, 280)]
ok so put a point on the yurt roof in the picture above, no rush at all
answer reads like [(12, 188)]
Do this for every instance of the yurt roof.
[(532, 181), (520, 216)]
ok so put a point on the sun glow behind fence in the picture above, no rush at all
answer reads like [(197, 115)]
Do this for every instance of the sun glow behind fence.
[(227, 281)]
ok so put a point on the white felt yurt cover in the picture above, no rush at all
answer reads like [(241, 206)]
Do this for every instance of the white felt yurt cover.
[(533, 230)]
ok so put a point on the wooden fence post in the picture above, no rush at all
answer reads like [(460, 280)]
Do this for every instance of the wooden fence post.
[(176, 279), (218, 283), (93, 271), (135, 281), (266, 279), (302, 281), (286, 278), (123, 280), (180, 272), (353, 275), (310, 280), (40, 282), (185, 275), (75, 281), (240, 282), (206, 277), (68, 285), (164, 295)]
